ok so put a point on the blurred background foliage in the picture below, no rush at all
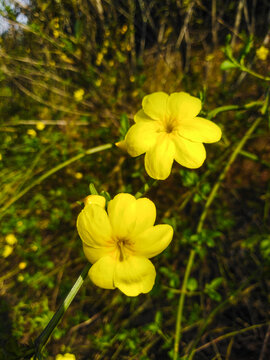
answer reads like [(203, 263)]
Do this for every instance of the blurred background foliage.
[(72, 75)]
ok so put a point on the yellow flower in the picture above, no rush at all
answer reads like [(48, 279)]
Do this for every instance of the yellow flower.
[(262, 53), (34, 247), (78, 175), (7, 251), (11, 239), (166, 129), (99, 59), (124, 29), (119, 242), (40, 125), (20, 277), (22, 265), (31, 132), (98, 82), (66, 356), (78, 94), (56, 33)]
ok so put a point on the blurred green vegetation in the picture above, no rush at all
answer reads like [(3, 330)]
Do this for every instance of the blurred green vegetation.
[(71, 78)]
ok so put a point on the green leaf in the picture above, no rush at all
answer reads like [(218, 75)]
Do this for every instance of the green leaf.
[(192, 284), (124, 125), (227, 64), (246, 49), (197, 198), (214, 295), (215, 283), (210, 242), (189, 178), (93, 190), (106, 195)]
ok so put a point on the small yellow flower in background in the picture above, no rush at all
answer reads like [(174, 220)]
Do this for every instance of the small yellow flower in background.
[(98, 82), (132, 78), (20, 277), (262, 53), (78, 175), (31, 132), (167, 128), (8, 249), (22, 265), (34, 247), (66, 356), (1, 157), (78, 94), (11, 239), (40, 125), (124, 29), (56, 34), (99, 59), (120, 242)]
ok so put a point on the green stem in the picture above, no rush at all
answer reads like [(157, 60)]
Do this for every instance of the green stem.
[(145, 188), (51, 172), (179, 316), (209, 201), (253, 73), (41, 341), (220, 109), (231, 334)]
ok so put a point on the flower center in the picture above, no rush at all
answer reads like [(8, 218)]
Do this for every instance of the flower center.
[(122, 246), (169, 125)]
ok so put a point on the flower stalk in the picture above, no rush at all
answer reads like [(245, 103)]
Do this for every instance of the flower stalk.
[(41, 341)]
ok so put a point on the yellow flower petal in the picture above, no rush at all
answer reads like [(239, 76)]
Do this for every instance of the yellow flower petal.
[(95, 199), (94, 226), (122, 215), (145, 216), (182, 106), (69, 356), (155, 105), (134, 275), (93, 254), (153, 241), (141, 137), (141, 116), (159, 159), (102, 272), (200, 130), (188, 153), (66, 356)]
